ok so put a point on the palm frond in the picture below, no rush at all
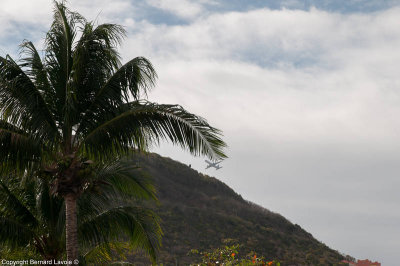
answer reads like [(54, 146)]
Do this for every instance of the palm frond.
[(48, 207), (108, 211), (112, 253), (22, 104), (12, 204), (141, 124), (95, 59), (122, 178), (29, 218), (131, 80), (33, 66), (14, 233), (135, 77), (18, 149), (140, 225)]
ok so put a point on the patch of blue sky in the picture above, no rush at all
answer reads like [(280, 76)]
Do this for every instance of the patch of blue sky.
[(280, 59), (341, 6), (153, 15), (159, 16)]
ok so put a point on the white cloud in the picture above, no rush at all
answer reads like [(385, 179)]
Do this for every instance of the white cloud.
[(105, 11), (284, 36), (350, 82), (26, 11)]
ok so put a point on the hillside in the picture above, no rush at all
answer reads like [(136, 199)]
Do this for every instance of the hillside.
[(199, 212)]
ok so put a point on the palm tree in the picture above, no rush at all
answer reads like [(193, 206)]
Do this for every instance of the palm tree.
[(79, 106), (32, 219)]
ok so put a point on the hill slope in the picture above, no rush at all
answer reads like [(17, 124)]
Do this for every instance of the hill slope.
[(199, 212)]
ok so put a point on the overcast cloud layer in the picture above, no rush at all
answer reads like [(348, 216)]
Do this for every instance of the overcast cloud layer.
[(306, 93)]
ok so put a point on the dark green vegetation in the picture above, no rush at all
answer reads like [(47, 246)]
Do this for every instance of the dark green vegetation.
[(200, 212), (32, 220), (73, 107)]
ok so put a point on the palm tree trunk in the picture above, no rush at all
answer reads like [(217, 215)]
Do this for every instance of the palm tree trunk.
[(71, 227)]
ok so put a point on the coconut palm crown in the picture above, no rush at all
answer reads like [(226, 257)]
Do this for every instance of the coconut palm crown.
[(78, 105)]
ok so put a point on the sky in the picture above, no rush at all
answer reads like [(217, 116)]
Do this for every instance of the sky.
[(305, 92)]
